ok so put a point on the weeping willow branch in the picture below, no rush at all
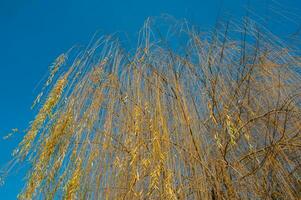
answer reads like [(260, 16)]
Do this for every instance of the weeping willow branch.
[(214, 118)]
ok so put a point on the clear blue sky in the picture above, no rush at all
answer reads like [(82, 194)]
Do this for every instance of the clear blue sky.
[(34, 32)]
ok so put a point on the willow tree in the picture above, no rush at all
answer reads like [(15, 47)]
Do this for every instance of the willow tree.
[(193, 115)]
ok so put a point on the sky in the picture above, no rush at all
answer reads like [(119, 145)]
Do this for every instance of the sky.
[(34, 32)]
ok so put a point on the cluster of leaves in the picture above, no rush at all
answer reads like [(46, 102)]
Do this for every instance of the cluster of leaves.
[(217, 118)]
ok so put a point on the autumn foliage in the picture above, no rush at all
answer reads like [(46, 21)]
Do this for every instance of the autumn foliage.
[(204, 115)]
